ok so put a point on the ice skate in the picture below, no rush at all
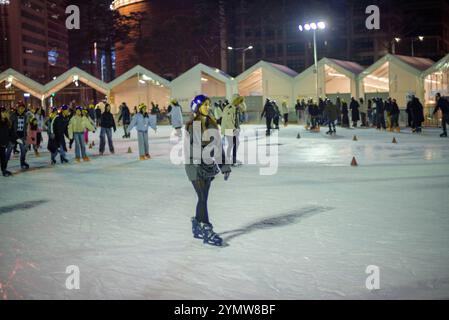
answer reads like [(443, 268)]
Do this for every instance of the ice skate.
[(443, 135), (6, 173), (77, 160), (142, 158), (64, 160), (37, 154), (87, 159), (196, 229), (53, 162), (209, 236), (25, 166), (147, 156)]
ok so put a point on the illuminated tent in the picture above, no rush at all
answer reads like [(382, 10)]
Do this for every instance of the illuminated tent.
[(11, 78), (394, 76), (265, 80), (139, 85), (72, 79), (201, 79), (335, 78), (436, 79)]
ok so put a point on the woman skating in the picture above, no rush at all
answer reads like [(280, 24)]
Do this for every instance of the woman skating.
[(77, 126), (201, 132), (6, 138), (107, 124)]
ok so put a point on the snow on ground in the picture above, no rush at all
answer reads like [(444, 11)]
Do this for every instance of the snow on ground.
[(307, 232)]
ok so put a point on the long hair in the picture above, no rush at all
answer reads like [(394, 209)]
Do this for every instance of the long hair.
[(5, 120)]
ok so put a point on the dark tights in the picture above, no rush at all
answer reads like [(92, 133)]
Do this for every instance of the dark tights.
[(3, 160), (202, 190)]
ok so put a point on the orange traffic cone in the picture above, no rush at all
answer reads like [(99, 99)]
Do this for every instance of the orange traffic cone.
[(129, 150), (355, 138), (298, 136), (394, 140), (354, 162)]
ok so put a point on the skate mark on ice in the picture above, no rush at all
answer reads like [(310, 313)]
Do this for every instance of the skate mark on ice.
[(275, 222), (22, 206)]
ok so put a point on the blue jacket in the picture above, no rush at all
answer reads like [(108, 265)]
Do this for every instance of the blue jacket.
[(141, 123)]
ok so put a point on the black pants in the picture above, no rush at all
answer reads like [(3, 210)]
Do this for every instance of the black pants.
[(3, 159), (202, 191), (276, 122), (332, 126), (363, 119), (269, 124), (445, 121), (233, 144), (381, 121), (285, 118)]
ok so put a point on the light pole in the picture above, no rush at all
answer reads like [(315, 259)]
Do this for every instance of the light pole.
[(420, 38), (243, 54), (314, 26), (396, 40)]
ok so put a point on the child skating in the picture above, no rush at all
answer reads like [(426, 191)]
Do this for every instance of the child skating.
[(141, 121)]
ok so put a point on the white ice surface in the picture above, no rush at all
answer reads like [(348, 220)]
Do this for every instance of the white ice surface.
[(308, 232)]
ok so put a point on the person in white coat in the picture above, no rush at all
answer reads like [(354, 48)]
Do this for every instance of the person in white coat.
[(230, 128), (142, 122), (175, 114), (363, 111), (285, 111)]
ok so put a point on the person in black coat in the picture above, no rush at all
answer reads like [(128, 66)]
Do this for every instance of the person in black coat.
[(107, 123), (6, 138), (345, 115), (277, 115), (355, 114), (394, 115), (380, 114), (443, 105), (269, 113), (125, 117), (60, 126), (417, 110)]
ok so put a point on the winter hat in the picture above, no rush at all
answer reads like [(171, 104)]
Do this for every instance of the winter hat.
[(174, 101), (64, 107), (54, 110), (142, 106), (198, 102), (79, 108), (238, 100)]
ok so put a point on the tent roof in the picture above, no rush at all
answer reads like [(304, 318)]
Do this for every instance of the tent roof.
[(421, 64), (443, 63), (412, 64), (84, 77), (283, 71), (23, 82), (135, 71), (350, 66), (213, 72)]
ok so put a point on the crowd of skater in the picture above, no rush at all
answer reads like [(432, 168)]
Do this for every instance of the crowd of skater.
[(376, 113), (22, 127)]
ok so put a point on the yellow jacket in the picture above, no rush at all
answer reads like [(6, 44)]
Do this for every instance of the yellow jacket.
[(78, 124)]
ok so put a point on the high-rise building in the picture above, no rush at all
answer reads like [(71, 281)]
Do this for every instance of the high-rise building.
[(271, 27), (34, 38), (169, 37)]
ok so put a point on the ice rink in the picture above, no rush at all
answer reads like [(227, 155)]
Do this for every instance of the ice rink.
[(308, 232)]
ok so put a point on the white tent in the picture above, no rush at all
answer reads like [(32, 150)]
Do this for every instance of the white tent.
[(265, 80), (73, 78), (201, 79), (10, 78), (436, 79), (139, 85), (335, 78), (394, 76)]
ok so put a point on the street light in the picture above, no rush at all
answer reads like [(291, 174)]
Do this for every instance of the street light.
[(420, 38), (314, 26), (244, 49)]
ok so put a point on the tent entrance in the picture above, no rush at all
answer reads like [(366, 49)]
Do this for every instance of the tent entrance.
[(212, 87), (336, 82), (378, 81), (252, 85)]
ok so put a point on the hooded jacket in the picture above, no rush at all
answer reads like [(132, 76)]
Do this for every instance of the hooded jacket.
[(78, 124)]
